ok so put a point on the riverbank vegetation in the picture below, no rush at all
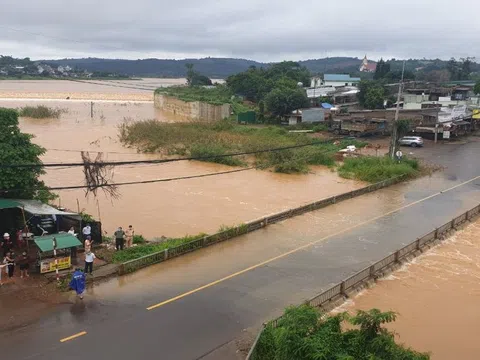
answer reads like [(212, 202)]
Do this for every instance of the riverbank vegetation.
[(41, 112), (375, 169), (226, 137), (143, 248), (303, 334)]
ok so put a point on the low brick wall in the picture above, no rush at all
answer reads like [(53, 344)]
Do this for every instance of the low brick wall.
[(195, 110)]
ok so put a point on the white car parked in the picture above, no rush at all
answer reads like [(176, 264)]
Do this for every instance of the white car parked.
[(412, 141)]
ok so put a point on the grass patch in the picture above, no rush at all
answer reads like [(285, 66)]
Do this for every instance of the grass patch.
[(375, 169), (41, 112), (139, 251), (217, 95), (200, 139), (139, 239), (143, 250), (308, 126)]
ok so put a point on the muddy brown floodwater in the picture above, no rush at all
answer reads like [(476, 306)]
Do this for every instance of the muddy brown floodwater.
[(160, 209), (437, 298)]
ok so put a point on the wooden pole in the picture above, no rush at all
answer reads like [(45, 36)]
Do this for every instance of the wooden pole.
[(393, 141), (78, 206), (25, 226), (91, 109), (55, 256), (98, 208)]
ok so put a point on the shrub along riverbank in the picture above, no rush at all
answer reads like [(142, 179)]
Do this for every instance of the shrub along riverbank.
[(224, 137), (303, 334), (41, 112)]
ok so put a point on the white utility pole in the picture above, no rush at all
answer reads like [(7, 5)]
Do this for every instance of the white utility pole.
[(393, 142)]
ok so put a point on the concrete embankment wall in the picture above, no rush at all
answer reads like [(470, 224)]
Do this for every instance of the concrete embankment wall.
[(195, 110)]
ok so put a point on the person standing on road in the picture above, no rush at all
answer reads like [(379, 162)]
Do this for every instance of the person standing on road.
[(130, 233), (10, 262), (89, 258), (78, 282), (24, 263), (87, 231), (7, 244), (119, 238)]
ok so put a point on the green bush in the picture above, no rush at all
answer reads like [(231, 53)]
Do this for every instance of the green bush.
[(303, 334), (375, 169), (143, 250), (41, 112), (210, 150), (139, 239)]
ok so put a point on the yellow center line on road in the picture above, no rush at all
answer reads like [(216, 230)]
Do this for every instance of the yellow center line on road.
[(213, 283), (73, 336)]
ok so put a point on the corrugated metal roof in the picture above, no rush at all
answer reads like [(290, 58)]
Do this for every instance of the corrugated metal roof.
[(8, 204), (33, 207), (340, 77), (64, 241)]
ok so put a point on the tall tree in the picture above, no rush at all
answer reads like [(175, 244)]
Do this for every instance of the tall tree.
[(190, 73), (476, 88), (17, 148), (282, 101)]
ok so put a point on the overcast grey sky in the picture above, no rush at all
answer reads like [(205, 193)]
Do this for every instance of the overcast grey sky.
[(264, 30)]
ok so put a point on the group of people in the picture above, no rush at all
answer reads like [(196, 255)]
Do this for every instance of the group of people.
[(9, 260), (122, 236)]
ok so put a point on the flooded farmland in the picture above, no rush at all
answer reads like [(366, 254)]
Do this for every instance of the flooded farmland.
[(436, 296), (171, 208)]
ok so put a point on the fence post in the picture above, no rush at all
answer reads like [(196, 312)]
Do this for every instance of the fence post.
[(334, 201), (166, 254), (372, 271), (453, 224), (204, 240), (265, 221), (436, 233), (342, 288), (468, 217), (397, 256), (418, 244)]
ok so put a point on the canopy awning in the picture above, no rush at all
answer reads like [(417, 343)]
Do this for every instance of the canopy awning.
[(64, 241), (8, 204), (33, 207)]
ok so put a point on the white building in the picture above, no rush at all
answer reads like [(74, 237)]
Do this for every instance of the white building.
[(339, 80)]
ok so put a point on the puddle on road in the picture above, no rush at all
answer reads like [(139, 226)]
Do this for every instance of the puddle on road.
[(436, 296)]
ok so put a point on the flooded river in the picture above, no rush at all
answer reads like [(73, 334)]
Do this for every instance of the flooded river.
[(437, 298), (159, 209)]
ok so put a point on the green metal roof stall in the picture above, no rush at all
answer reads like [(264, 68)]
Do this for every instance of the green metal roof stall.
[(24, 220)]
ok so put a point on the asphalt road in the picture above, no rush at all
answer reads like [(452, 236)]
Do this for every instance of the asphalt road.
[(204, 300)]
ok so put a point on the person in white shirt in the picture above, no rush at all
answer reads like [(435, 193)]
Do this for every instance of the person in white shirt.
[(72, 231), (89, 257), (86, 231)]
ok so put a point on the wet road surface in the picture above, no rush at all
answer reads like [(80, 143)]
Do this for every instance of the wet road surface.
[(207, 298)]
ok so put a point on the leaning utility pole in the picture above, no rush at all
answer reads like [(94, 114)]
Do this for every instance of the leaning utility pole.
[(393, 141)]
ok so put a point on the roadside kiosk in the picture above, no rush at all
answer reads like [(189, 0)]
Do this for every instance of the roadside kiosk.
[(45, 256)]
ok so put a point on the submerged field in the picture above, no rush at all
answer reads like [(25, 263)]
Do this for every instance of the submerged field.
[(209, 140), (225, 137)]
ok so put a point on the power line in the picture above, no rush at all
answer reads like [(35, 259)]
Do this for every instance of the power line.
[(96, 151), (161, 161), (74, 187)]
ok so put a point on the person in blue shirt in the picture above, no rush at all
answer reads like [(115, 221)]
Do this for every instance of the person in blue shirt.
[(78, 282)]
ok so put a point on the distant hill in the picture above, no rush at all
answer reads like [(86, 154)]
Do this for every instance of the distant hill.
[(224, 67), (211, 67)]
